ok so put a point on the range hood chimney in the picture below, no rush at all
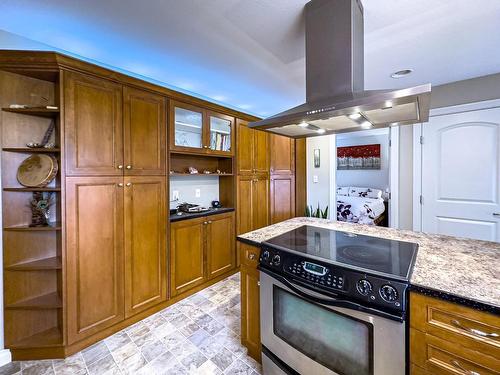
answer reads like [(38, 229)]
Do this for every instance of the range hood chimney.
[(335, 98)]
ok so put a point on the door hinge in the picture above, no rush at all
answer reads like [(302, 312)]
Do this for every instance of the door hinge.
[(421, 199), (421, 139), (390, 143)]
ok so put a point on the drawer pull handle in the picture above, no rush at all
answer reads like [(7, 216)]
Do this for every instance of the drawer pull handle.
[(476, 332), (457, 364), (251, 256)]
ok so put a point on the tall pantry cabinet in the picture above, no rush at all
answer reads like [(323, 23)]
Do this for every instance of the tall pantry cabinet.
[(116, 202)]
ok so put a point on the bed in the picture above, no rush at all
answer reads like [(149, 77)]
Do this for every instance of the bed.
[(360, 205)]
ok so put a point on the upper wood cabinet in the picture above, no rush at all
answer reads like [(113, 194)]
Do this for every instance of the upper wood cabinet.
[(220, 244), (144, 132), (93, 126), (282, 155), (111, 129), (197, 130), (145, 245), (253, 151), (94, 230)]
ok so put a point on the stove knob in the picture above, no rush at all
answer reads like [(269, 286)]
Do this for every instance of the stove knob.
[(388, 293), (276, 260), (265, 255), (364, 287)]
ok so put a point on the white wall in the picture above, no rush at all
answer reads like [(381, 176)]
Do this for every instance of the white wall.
[(319, 192), (374, 178), (187, 185)]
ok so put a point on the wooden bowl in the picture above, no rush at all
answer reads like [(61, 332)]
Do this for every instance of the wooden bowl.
[(37, 170)]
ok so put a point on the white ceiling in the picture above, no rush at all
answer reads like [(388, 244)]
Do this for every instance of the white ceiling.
[(249, 54)]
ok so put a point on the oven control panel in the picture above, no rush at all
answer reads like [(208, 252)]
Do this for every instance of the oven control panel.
[(315, 273)]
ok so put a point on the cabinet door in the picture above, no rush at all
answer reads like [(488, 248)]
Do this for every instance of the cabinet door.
[(245, 148), (187, 131), (261, 152), (260, 194), (244, 204), (221, 255), (145, 250), (144, 132), (220, 134), (282, 155), (250, 311), (94, 230), (93, 126), (282, 198), (187, 258)]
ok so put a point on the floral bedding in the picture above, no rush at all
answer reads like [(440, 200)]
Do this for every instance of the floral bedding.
[(359, 209)]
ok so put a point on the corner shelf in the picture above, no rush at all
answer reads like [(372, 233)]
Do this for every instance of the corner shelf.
[(26, 228), (28, 150), (43, 302), (40, 112), (53, 263), (41, 189), (50, 337)]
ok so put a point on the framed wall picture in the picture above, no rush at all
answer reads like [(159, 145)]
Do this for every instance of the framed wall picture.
[(317, 161), (358, 157)]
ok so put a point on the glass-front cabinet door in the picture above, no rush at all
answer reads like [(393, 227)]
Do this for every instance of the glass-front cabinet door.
[(187, 126), (220, 133), (194, 129)]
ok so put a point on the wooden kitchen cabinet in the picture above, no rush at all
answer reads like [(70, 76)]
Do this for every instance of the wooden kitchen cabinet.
[(448, 338), (95, 289), (250, 300), (282, 155), (200, 131), (253, 151), (145, 243), (220, 244), (93, 126), (253, 202), (144, 132), (200, 249), (282, 198)]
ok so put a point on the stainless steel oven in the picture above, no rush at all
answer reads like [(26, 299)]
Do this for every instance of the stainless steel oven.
[(306, 332)]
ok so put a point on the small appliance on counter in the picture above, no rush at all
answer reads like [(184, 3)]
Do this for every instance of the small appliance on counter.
[(216, 204), (190, 208)]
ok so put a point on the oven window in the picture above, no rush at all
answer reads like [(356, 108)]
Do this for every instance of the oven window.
[(337, 341)]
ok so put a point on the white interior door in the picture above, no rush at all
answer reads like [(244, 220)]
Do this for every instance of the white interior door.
[(461, 175)]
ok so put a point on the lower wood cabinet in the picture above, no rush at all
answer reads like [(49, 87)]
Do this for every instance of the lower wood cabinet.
[(250, 300), (200, 249), (116, 230), (145, 245), (253, 202), (447, 338)]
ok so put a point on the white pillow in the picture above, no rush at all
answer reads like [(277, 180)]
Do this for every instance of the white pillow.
[(365, 192), (343, 191)]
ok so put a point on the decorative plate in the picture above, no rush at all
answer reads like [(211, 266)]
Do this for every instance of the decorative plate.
[(37, 170)]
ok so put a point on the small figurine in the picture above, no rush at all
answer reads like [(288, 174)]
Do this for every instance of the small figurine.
[(40, 208), (193, 170)]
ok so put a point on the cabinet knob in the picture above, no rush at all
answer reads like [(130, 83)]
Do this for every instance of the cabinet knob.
[(129, 184), (258, 283), (120, 184), (120, 167), (129, 167), (251, 256), (209, 221), (205, 146), (205, 223)]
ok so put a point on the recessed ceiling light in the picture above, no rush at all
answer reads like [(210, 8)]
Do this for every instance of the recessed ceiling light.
[(366, 125), (354, 116), (321, 131), (303, 124), (401, 73), (387, 104)]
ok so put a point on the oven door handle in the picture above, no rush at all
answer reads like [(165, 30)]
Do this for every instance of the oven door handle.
[(330, 301)]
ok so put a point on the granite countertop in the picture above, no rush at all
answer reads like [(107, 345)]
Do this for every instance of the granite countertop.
[(462, 270), (211, 211)]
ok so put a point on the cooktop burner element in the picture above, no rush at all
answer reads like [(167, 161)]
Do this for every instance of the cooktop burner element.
[(364, 253)]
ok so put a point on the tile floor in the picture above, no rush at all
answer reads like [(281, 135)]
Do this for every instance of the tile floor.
[(198, 335)]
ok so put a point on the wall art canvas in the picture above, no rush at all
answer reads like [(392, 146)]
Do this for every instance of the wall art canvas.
[(358, 157), (317, 160)]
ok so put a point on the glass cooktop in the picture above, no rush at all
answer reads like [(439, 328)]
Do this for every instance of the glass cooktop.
[(351, 250)]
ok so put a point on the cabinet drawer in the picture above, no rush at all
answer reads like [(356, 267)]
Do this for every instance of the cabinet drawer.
[(249, 255), (462, 325), (445, 357)]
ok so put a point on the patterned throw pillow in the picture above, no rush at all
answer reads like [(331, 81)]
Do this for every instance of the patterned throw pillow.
[(343, 191)]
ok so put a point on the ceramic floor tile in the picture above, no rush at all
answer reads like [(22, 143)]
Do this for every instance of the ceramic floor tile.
[(198, 335)]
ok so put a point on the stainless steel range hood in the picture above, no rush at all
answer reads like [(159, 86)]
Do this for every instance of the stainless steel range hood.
[(335, 99)]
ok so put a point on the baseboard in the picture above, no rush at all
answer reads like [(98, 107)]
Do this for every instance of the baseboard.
[(5, 357)]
